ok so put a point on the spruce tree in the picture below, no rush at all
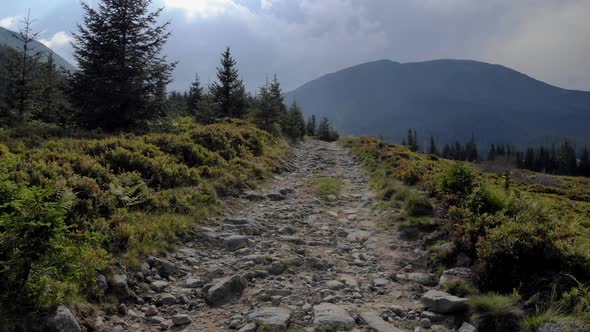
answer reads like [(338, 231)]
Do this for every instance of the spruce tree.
[(229, 92), (584, 167), (446, 152), (432, 148), (209, 110), (195, 96), (122, 76), (271, 109), (492, 153), (311, 127), (22, 74), (295, 123), (53, 105)]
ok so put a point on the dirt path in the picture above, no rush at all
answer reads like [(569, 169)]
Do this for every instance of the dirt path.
[(280, 257)]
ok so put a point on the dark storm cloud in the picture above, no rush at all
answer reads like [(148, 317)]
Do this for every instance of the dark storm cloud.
[(300, 40)]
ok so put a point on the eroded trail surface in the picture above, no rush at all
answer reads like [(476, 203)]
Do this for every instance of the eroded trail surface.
[(280, 258)]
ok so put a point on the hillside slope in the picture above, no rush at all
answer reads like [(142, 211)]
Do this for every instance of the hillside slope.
[(7, 38), (450, 99)]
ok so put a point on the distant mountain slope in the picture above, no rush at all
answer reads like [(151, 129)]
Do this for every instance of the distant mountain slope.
[(450, 99), (7, 38)]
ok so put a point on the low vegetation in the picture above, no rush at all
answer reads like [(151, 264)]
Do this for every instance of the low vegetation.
[(71, 207), (523, 237), (327, 188)]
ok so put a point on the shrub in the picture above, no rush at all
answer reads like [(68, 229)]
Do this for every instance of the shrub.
[(418, 205), (518, 250), (496, 313), (456, 182)]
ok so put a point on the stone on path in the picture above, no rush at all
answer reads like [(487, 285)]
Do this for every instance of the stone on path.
[(235, 242), (292, 239), (358, 236), (443, 303), (332, 317), (273, 318), (466, 327), (227, 289), (181, 319), (425, 279), (376, 323), (158, 285)]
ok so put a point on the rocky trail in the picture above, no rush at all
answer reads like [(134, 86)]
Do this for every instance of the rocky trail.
[(282, 259)]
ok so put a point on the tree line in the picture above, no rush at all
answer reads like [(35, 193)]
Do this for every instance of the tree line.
[(122, 77), (455, 151), (559, 160)]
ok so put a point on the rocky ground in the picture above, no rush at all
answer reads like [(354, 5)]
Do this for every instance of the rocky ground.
[(283, 259)]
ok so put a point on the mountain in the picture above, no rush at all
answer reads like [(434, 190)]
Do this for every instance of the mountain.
[(7, 38), (449, 99)]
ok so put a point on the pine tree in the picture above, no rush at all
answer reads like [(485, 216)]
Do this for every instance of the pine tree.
[(195, 96), (471, 153), (446, 152), (53, 105), (326, 132), (432, 148), (209, 110), (311, 126), (492, 153), (122, 76), (584, 167), (229, 92), (22, 72), (271, 109), (295, 123)]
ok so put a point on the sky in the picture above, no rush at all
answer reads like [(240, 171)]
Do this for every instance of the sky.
[(300, 40)]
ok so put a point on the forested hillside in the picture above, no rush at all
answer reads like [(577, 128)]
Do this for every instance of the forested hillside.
[(448, 99)]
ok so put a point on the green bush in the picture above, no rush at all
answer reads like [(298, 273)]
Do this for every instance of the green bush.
[(496, 313), (517, 251), (418, 205), (456, 182)]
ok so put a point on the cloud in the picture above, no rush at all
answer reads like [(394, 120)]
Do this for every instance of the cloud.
[(549, 42), (9, 22), (201, 8), (58, 40)]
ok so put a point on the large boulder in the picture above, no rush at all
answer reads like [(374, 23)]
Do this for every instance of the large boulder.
[(227, 289), (466, 327), (443, 303), (329, 316), (62, 320), (273, 318)]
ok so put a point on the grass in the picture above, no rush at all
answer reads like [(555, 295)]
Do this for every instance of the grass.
[(496, 313), (327, 187), (459, 288)]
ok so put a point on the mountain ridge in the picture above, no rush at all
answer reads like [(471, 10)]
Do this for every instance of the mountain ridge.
[(7, 38), (480, 97)]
